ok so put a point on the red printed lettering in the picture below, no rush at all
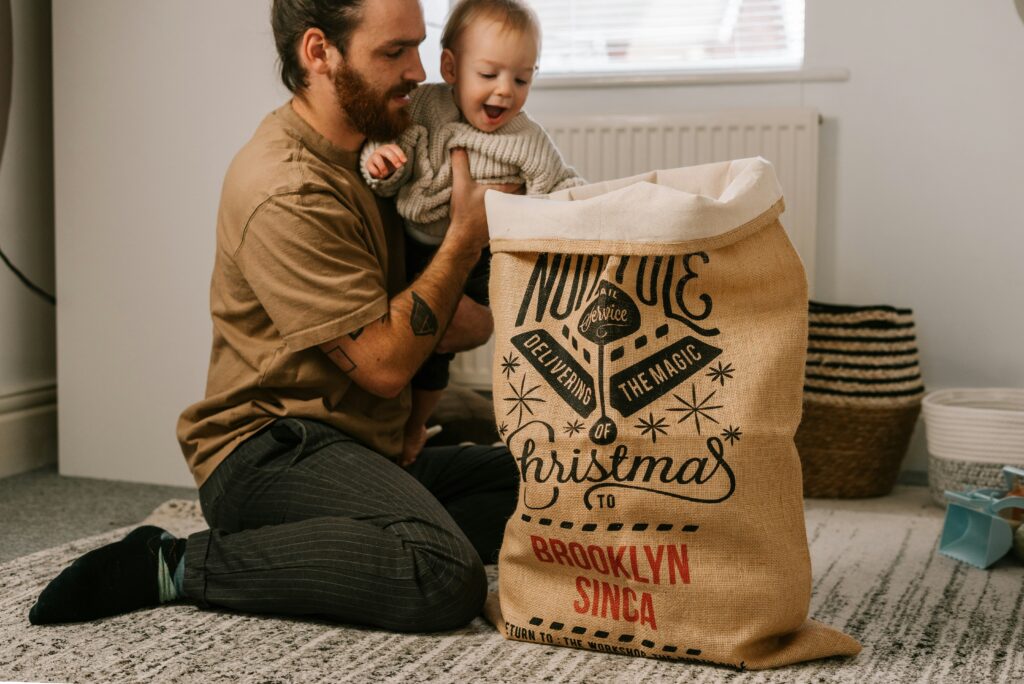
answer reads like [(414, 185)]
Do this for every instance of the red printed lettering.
[(595, 554), (560, 553), (607, 600), (678, 561), (582, 583), (636, 570), (579, 555), (615, 561), (610, 600), (627, 612), (647, 610), (540, 549), (655, 562)]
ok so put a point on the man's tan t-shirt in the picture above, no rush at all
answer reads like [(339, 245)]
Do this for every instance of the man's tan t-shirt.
[(305, 254)]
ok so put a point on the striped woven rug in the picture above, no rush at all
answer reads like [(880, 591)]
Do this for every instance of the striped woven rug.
[(921, 617)]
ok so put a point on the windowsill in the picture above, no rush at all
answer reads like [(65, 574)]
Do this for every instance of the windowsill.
[(617, 80)]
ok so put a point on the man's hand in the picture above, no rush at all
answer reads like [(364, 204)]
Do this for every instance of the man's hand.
[(413, 439), (416, 434), (385, 160), (471, 326), (468, 216)]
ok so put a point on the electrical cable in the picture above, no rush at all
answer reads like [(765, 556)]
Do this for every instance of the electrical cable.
[(6, 76), (28, 283)]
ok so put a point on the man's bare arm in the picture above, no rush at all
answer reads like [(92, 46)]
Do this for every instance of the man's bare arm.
[(384, 355)]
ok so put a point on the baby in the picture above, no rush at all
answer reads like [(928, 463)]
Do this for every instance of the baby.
[(490, 50)]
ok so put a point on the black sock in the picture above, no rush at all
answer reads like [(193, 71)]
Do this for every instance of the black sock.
[(137, 572)]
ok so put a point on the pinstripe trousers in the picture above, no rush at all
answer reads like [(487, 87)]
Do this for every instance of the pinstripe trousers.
[(306, 521)]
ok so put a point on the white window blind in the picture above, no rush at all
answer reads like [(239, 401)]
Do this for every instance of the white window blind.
[(643, 36)]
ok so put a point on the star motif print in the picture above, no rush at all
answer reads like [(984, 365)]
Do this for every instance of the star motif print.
[(521, 399), (720, 373), (573, 428), (652, 427), (731, 435), (694, 409), (509, 364)]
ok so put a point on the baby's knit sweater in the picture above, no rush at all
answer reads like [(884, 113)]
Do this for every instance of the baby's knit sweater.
[(519, 152)]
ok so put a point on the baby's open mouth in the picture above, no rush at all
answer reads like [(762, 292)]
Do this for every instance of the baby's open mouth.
[(494, 113)]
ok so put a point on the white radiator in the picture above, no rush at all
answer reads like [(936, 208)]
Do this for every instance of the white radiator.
[(606, 147)]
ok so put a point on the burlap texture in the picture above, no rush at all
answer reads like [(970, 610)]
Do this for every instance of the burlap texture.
[(650, 338)]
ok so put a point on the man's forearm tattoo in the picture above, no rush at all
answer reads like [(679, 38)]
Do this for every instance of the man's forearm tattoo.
[(343, 360), (423, 320)]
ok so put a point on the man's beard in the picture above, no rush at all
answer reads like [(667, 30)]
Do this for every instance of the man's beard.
[(368, 109)]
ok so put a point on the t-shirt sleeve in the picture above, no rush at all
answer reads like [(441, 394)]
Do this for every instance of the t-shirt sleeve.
[(310, 263)]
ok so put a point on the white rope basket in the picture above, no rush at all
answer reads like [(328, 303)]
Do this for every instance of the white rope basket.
[(972, 434)]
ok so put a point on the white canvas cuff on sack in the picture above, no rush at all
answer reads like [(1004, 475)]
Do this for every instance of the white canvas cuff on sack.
[(672, 206)]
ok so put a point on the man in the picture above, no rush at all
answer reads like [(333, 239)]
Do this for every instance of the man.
[(315, 340)]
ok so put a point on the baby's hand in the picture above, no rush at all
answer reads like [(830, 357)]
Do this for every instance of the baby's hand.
[(385, 160)]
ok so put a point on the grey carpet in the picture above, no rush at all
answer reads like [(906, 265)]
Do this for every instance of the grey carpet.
[(41, 509), (922, 618)]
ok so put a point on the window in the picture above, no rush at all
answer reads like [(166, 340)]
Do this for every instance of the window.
[(659, 36)]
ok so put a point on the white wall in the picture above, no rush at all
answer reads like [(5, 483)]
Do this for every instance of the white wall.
[(152, 100), (27, 341), (924, 157), (922, 175), (920, 195)]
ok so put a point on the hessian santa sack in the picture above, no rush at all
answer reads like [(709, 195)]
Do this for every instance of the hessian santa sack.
[(650, 336)]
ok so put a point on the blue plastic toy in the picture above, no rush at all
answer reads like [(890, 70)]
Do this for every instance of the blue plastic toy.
[(974, 531)]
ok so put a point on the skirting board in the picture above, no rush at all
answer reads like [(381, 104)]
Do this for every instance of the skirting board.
[(28, 439)]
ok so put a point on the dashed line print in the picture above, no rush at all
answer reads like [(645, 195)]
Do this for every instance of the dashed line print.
[(609, 527)]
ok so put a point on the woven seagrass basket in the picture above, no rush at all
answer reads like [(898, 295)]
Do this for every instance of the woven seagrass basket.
[(862, 397), (972, 434)]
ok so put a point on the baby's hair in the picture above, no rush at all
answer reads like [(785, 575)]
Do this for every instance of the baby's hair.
[(515, 14)]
